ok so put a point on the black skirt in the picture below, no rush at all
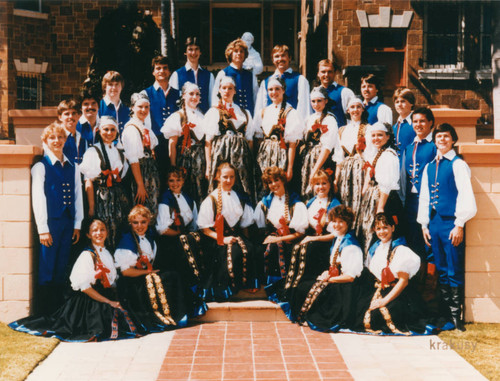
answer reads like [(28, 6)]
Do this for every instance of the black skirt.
[(81, 318)]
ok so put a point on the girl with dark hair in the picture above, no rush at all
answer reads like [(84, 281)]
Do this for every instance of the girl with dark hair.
[(229, 138), (92, 313), (229, 258), (381, 183), (320, 140), (103, 167), (186, 145), (281, 128), (139, 143)]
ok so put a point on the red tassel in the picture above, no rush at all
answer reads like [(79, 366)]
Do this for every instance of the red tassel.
[(387, 276), (283, 230), (360, 147), (318, 217), (219, 229), (101, 274), (186, 142), (333, 271), (143, 261)]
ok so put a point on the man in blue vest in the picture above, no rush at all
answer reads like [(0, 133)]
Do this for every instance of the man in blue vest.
[(339, 95), (111, 104), (194, 73), (162, 100), (297, 86), (67, 116), (88, 124), (377, 111)]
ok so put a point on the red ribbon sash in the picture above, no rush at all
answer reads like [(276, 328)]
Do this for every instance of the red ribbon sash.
[(177, 219), (283, 230), (219, 229), (146, 139), (143, 261), (372, 168), (318, 217), (112, 173), (333, 271), (361, 145), (186, 143), (101, 274), (322, 127), (387, 276)]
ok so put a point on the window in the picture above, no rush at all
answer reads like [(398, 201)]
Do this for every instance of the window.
[(29, 91), (485, 37), (285, 29), (29, 5)]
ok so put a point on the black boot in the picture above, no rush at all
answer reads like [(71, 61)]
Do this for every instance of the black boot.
[(445, 302), (456, 307)]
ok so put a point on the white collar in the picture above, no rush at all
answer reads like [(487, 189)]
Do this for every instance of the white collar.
[(84, 120), (53, 159), (107, 100), (157, 86), (235, 67), (428, 138), (188, 66), (279, 74), (407, 119), (448, 155), (374, 99)]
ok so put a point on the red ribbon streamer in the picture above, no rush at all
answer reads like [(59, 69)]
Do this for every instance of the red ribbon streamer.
[(112, 173), (318, 217), (333, 271), (219, 229), (186, 143), (283, 230), (372, 168), (322, 127), (101, 274), (231, 113), (143, 261), (387, 276), (361, 145)]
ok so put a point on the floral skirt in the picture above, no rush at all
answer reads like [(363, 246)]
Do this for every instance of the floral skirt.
[(350, 185), (151, 179), (193, 161), (309, 155)]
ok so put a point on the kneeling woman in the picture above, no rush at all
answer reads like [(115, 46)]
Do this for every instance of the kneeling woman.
[(393, 306), (327, 303), (229, 256), (283, 219), (92, 312), (157, 301)]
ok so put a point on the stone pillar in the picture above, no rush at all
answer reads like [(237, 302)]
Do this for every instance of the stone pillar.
[(482, 259), (16, 231)]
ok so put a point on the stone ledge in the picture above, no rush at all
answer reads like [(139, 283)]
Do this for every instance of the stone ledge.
[(249, 310), (18, 155), (483, 154)]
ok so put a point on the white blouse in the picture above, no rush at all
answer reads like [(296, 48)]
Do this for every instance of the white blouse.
[(349, 138), (173, 127), (212, 117), (132, 141), (91, 163), (404, 260), (299, 221), (350, 258), (294, 127), (125, 258), (231, 210), (83, 273), (328, 139), (166, 216), (387, 171), (318, 203)]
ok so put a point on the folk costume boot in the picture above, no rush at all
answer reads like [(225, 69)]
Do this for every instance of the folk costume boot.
[(456, 307), (443, 308)]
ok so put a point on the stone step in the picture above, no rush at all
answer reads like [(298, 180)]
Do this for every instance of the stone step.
[(243, 310)]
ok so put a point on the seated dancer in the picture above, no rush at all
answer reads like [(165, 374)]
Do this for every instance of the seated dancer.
[(92, 313), (156, 300), (282, 218), (229, 256), (328, 302), (179, 241), (392, 306)]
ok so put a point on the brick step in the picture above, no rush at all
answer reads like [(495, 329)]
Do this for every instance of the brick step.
[(243, 310)]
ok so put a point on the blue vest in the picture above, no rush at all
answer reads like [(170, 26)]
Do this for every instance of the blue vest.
[(335, 94), (59, 188), (168, 198), (406, 136), (123, 114), (244, 87), (443, 190), (128, 242), (426, 152), (161, 107), (347, 240), (293, 198), (333, 203), (372, 110), (184, 76), (86, 133), (72, 152), (292, 88), (396, 242)]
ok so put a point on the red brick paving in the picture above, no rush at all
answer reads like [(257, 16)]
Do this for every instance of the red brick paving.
[(252, 351)]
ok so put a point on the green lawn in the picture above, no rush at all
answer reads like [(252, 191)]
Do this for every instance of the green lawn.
[(20, 353), (479, 345)]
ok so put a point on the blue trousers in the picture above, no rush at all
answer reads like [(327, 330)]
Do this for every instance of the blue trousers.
[(53, 261), (413, 234), (449, 259)]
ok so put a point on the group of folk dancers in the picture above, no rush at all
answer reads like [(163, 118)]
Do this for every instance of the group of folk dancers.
[(206, 187)]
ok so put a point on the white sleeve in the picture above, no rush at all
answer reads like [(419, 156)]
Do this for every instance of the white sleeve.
[(259, 216), (247, 217), (387, 172), (423, 217), (132, 144), (352, 261), (261, 101), (172, 126), (211, 87), (249, 133), (38, 198), (125, 259), (384, 114), (255, 85), (211, 124), (329, 140), (294, 127), (299, 221), (466, 203), (174, 81), (90, 166), (147, 122), (345, 95), (164, 218), (303, 103), (215, 89), (206, 218), (83, 273), (405, 260), (78, 199), (256, 126)]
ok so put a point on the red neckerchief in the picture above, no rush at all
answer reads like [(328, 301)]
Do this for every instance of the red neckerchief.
[(101, 271)]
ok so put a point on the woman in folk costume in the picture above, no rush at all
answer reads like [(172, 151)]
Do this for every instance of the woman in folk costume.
[(92, 313), (281, 128), (320, 138), (381, 183), (349, 173), (138, 144), (179, 241), (393, 306), (186, 145), (282, 217), (156, 300), (328, 303), (229, 255), (103, 167), (229, 138)]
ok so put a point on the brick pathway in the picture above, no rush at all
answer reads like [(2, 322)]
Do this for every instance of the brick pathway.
[(252, 351)]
